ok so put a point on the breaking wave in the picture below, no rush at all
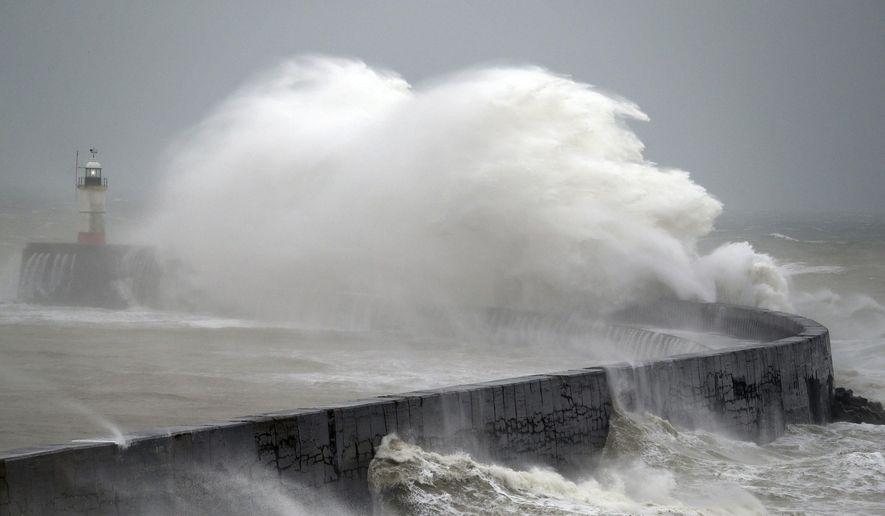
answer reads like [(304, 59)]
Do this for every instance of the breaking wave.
[(649, 467), (326, 185), (796, 268), (784, 237), (788, 238)]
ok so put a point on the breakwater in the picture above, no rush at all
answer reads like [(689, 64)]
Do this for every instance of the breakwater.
[(103, 276), (559, 419)]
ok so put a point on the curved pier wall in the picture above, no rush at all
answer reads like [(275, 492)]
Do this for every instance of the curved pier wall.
[(560, 419), (751, 392)]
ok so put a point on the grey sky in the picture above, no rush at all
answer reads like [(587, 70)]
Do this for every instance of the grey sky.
[(767, 104)]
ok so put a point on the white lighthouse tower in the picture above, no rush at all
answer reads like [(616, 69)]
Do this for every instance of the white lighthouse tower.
[(91, 190)]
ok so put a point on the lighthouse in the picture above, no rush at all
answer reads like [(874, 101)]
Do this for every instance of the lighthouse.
[(89, 272), (91, 190)]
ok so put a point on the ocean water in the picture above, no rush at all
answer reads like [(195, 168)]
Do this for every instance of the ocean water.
[(835, 263)]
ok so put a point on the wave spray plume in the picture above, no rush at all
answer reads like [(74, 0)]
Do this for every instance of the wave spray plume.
[(326, 185)]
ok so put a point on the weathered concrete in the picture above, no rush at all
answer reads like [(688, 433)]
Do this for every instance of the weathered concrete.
[(559, 419), (751, 392)]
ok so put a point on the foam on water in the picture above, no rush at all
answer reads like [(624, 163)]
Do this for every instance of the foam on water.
[(796, 240), (796, 268), (650, 467), (784, 237), (857, 325), (135, 318)]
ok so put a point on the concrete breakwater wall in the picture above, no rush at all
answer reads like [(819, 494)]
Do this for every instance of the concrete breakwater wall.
[(559, 419), (751, 392), (104, 276)]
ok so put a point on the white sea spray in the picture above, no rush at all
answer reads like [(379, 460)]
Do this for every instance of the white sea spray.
[(326, 183)]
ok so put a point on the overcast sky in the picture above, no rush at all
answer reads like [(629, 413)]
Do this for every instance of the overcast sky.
[(767, 104)]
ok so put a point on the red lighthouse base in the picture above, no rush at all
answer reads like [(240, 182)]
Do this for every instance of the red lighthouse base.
[(90, 238)]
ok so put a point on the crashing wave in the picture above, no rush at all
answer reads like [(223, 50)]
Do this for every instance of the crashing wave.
[(326, 185)]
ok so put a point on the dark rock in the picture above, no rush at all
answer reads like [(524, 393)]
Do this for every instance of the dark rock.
[(856, 409)]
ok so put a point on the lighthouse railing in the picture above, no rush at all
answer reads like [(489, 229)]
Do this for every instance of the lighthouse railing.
[(92, 181)]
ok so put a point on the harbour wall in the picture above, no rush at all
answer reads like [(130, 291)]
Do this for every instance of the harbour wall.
[(103, 276), (559, 419)]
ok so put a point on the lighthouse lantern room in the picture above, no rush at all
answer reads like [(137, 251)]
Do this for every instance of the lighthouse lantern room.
[(91, 190)]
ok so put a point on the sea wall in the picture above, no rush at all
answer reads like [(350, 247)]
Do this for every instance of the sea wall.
[(558, 419), (751, 392), (103, 276)]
